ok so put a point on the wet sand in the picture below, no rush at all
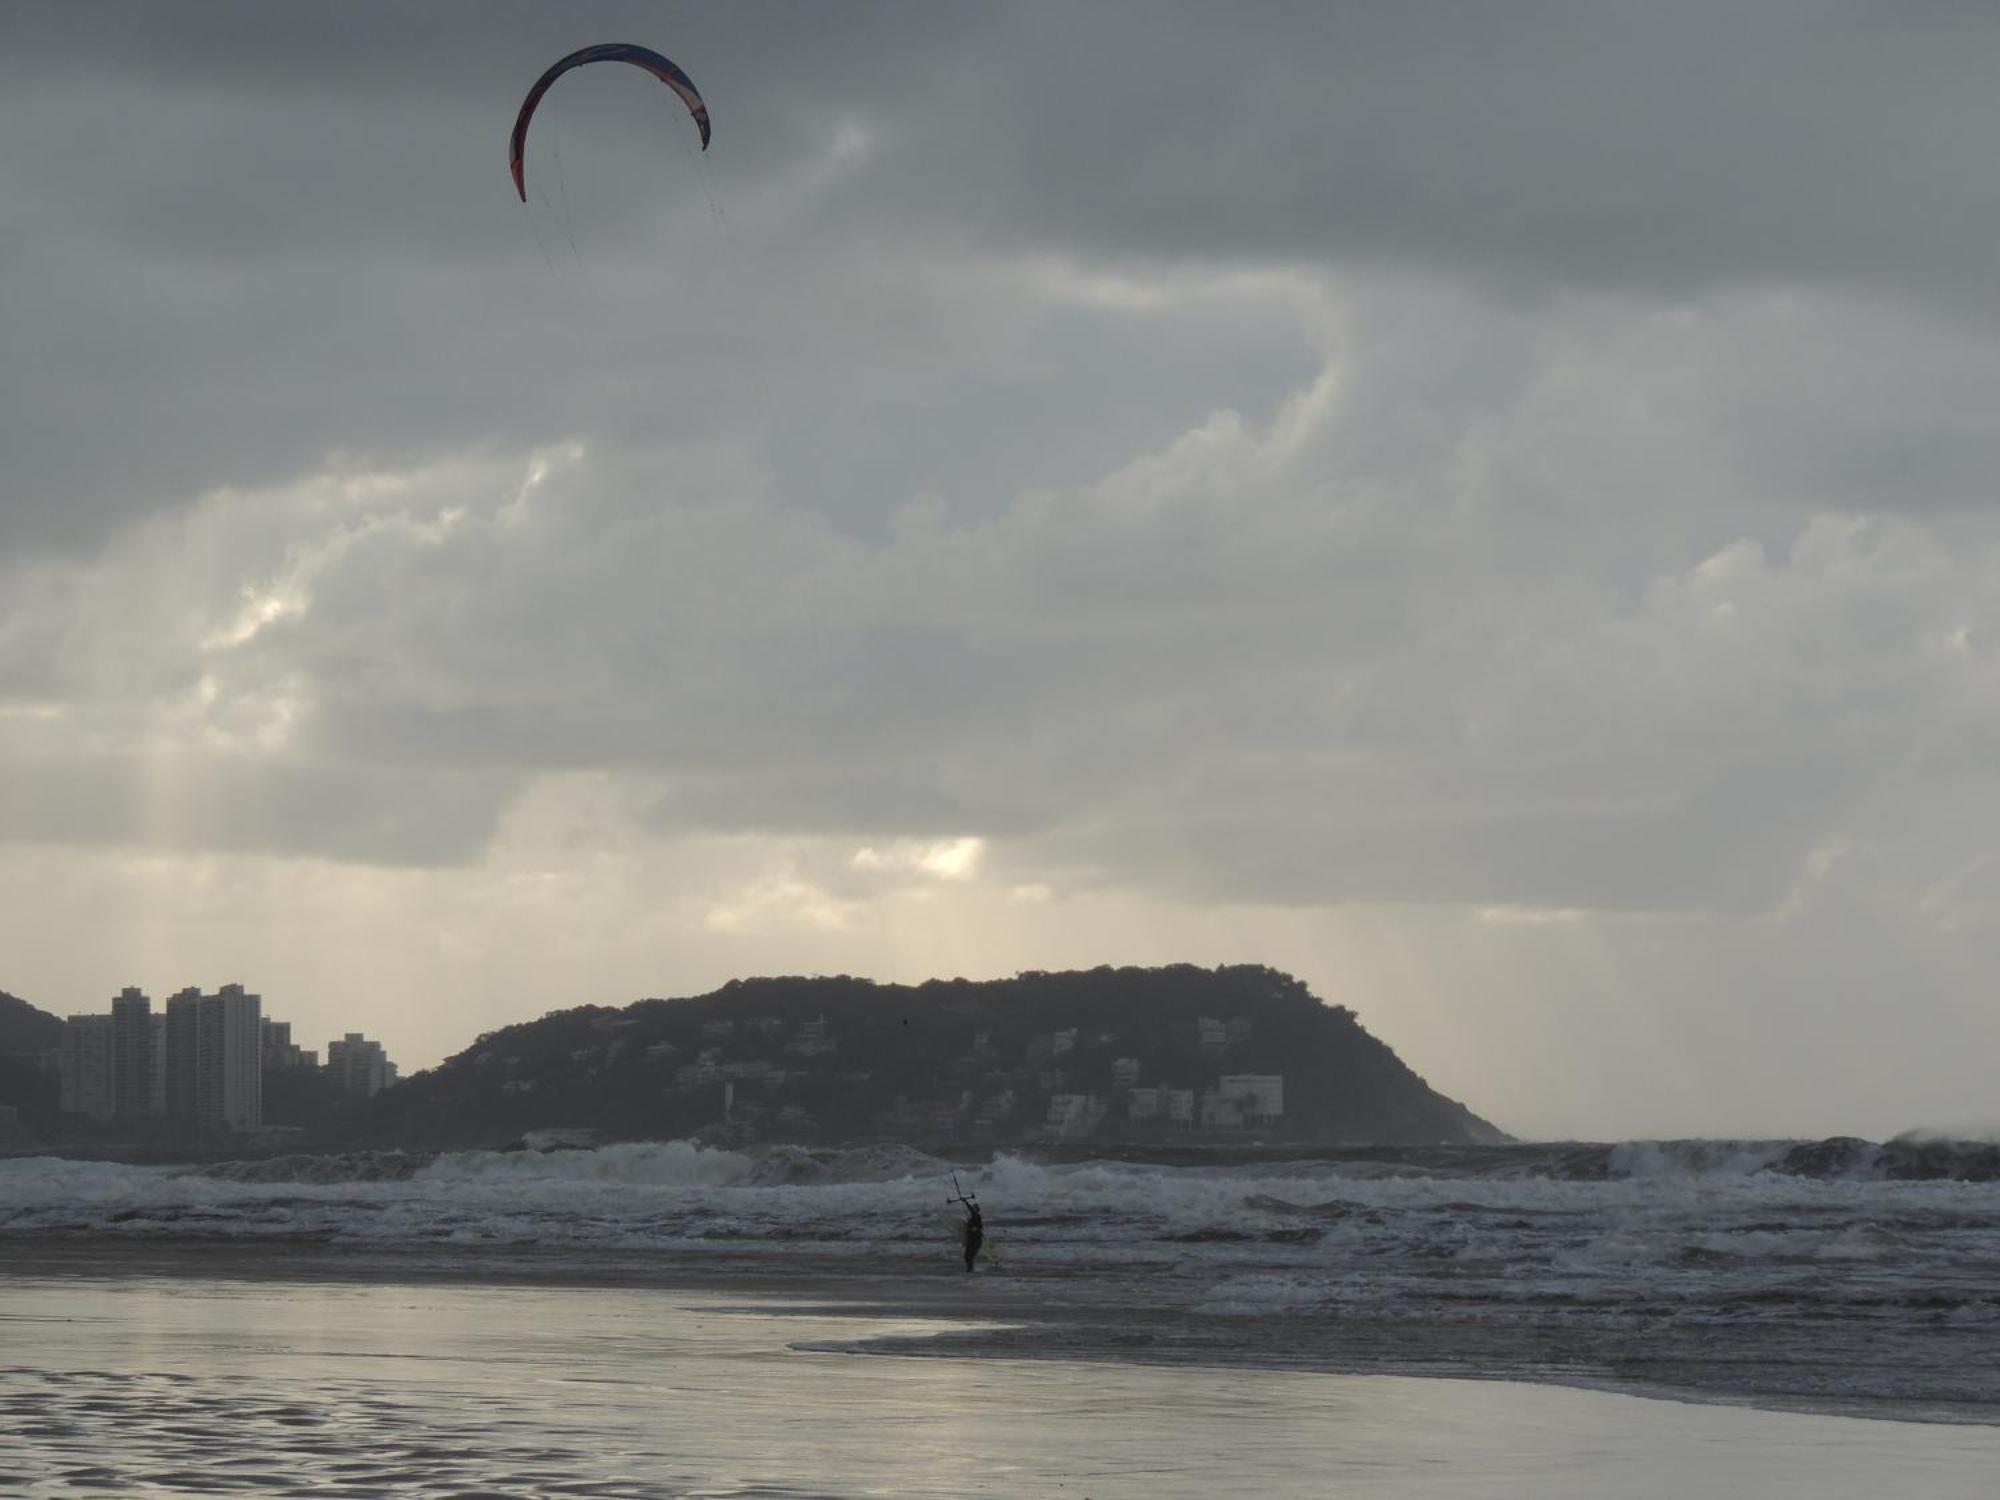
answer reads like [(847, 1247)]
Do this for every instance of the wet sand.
[(1019, 1312), (179, 1374)]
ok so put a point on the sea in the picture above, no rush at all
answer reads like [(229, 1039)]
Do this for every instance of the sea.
[(675, 1318)]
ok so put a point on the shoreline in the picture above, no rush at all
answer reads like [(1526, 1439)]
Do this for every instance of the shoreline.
[(996, 1314)]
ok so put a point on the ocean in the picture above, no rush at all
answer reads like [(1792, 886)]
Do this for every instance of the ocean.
[(669, 1319)]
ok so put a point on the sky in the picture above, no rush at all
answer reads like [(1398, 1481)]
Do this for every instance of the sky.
[(1491, 510)]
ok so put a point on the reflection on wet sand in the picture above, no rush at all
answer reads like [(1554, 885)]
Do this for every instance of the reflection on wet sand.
[(273, 1387)]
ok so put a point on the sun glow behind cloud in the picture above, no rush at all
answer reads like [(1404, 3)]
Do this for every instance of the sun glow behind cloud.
[(942, 859)]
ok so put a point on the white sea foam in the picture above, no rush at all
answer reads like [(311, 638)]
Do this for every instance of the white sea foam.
[(1647, 1237), (1258, 1296)]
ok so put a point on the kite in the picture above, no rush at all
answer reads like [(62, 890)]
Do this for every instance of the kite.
[(640, 57)]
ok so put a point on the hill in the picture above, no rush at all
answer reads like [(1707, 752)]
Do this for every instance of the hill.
[(27, 1037), (23, 1028), (1148, 1055)]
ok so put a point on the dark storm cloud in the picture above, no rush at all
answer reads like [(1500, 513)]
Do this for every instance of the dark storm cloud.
[(938, 471), (1648, 147), (241, 236), (1617, 144)]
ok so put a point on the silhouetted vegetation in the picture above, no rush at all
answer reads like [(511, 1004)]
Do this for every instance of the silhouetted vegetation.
[(844, 1059), (29, 1039)]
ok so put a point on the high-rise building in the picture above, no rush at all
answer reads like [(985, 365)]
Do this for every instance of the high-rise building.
[(183, 1035), (215, 1053), (158, 1091), (359, 1067), (132, 1045), (86, 1067), (280, 1054)]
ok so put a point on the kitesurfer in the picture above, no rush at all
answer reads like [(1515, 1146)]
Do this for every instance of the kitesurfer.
[(971, 1229), (975, 1231)]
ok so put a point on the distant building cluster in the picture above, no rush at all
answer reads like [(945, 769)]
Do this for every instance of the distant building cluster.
[(1065, 1084), (201, 1062), (1235, 1101)]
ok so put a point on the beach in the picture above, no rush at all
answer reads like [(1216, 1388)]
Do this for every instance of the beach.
[(149, 1373)]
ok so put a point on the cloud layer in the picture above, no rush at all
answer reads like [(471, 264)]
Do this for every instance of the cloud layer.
[(1497, 511)]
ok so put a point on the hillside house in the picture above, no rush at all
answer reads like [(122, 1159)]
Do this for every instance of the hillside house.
[(1073, 1116)]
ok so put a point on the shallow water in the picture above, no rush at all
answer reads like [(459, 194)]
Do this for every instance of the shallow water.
[(189, 1384), (1718, 1269)]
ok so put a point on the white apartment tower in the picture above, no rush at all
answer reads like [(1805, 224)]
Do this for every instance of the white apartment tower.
[(86, 1067), (214, 1057), (359, 1068), (133, 1042), (280, 1053)]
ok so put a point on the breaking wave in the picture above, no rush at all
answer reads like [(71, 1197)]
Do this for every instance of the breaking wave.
[(1647, 1252)]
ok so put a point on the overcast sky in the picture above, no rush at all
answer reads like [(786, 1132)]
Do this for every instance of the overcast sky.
[(1492, 510)]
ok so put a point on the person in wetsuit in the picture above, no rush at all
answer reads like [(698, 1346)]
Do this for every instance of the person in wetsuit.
[(975, 1230)]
